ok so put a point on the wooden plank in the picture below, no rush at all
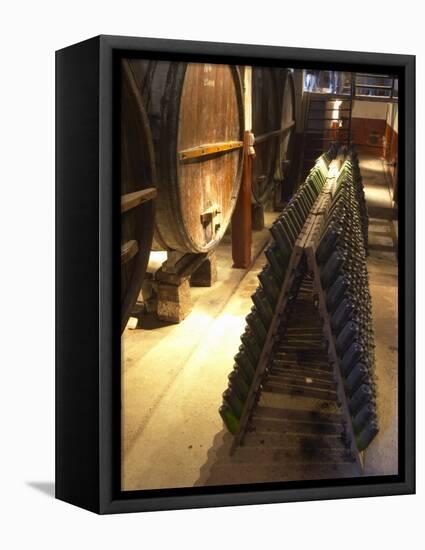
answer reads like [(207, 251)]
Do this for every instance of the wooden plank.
[(131, 200), (314, 442), (376, 98), (299, 391), (300, 415), (209, 149), (299, 379), (374, 86), (267, 455), (284, 425), (304, 372), (128, 251), (281, 358), (274, 133), (183, 268)]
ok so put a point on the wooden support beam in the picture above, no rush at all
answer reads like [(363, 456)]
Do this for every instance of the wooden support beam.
[(175, 270), (242, 217), (131, 200), (274, 133), (128, 251), (209, 149)]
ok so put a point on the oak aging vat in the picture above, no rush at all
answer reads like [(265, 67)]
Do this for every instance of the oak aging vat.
[(196, 114), (273, 123), (137, 179)]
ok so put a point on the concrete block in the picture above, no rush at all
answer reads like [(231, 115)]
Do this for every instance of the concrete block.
[(174, 302)]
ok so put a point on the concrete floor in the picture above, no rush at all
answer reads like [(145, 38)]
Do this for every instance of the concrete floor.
[(173, 376), (381, 456)]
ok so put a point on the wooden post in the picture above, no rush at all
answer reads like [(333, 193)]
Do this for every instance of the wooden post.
[(206, 273), (242, 216)]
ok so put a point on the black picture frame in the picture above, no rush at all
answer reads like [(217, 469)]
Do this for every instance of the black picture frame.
[(87, 353)]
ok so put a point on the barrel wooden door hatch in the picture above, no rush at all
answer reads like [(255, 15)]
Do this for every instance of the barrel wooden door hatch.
[(273, 124), (137, 180), (196, 115)]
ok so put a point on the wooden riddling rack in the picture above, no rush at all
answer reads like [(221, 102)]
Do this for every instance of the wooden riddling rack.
[(302, 257), (277, 279)]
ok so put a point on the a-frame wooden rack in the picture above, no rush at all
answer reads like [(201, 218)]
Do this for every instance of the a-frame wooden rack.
[(305, 250)]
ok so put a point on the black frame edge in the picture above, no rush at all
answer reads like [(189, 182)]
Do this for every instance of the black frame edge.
[(77, 283), (408, 279), (306, 56)]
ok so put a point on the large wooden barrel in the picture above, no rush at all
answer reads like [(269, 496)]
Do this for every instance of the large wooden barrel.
[(273, 124), (196, 114), (137, 178)]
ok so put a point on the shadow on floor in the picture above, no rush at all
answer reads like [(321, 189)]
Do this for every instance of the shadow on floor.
[(218, 452), (262, 462), (150, 321), (46, 487)]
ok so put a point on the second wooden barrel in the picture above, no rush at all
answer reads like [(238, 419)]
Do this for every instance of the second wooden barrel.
[(273, 123), (196, 114), (137, 179)]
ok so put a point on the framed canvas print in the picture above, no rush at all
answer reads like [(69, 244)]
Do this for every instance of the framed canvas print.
[(235, 274)]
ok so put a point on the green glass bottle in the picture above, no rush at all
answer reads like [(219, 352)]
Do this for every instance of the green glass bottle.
[(231, 398), (257, 327), (230, 420), (282, 241), (242, 360), (269, 283), (248, 373), (273, 256), (296, 222), (306, 199), (251, 346), (238, 381), (263, 307), (300, 208), (367, 434)]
